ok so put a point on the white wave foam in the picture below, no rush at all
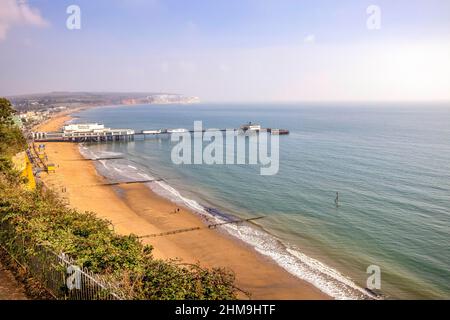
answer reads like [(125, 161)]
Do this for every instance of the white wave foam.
[(97, 154), (103, 162), (145, 176), (325, 278), (163, 189)]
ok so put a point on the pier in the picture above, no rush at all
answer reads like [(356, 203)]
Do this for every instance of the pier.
[(94, 132), (90, 132)]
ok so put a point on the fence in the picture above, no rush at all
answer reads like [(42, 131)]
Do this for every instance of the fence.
[(58, 273)]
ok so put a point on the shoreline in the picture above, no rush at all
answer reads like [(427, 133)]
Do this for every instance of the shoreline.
[(137, 209)]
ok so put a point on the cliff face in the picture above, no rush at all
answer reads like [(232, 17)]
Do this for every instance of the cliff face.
[(162, 99), (129, 101), (23, 164)]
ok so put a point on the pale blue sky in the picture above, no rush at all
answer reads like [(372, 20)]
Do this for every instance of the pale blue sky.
[(229, 50)]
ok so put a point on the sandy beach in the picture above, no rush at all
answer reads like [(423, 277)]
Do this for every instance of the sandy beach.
[(136, 209)]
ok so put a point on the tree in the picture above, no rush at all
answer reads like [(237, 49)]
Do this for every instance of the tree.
[(11, 138), (6, 111)]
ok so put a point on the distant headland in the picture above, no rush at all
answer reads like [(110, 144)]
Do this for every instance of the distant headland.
[(51, 100)]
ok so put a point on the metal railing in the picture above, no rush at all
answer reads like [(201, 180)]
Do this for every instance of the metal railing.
[(58, 273)]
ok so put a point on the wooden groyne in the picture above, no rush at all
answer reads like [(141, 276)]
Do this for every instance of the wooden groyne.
[(209, 226)]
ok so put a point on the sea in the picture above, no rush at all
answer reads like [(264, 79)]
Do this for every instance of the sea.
[(389, 164)]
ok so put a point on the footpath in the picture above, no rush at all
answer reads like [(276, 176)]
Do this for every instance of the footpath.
[(10, 289)]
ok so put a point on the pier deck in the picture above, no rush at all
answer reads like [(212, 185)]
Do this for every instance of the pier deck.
[(124, 134)]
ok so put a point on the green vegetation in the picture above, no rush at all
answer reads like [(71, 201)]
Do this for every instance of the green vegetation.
[(6, 110), (11, 138), (39, 218)]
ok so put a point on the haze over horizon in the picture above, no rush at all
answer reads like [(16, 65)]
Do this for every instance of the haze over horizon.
[(229, 50)]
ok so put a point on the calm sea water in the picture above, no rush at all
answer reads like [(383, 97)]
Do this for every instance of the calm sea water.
[(390, 164)]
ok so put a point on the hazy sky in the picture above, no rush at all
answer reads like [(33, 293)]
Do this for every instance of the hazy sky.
[(229, 50)]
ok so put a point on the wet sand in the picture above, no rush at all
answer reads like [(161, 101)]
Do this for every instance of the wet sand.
[(136, 209)]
